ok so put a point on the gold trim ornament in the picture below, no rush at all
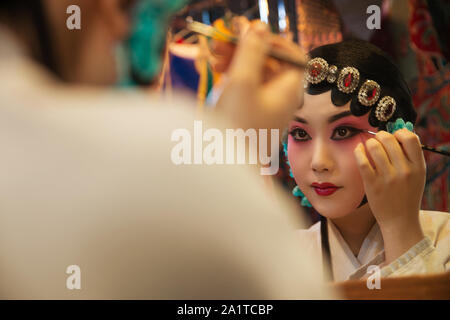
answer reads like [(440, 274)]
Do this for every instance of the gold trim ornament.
[(369, 93), (385, 108), (332, 74), (316, 70), (348, 79)]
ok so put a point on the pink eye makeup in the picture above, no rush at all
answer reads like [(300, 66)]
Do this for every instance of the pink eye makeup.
[(299, 134), (339, 133), (339, 127), (344, 132)]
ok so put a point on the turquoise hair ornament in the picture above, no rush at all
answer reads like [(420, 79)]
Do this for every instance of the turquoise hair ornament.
[(287, 161), (296, 191), (148, 34), (399, 124)]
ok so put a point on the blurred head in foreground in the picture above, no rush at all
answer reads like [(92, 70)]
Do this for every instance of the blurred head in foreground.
[(88, 54)]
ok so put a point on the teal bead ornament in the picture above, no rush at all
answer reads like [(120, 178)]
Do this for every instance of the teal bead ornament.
[(148, 35), (296, 191), (287, 161), (306, 203), (399, 124)]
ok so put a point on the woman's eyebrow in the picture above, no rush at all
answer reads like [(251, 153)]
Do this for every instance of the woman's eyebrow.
[(338, 116), (331, 119), (299, 119)]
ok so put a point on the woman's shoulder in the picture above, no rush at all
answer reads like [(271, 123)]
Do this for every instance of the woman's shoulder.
[(435, 225), (312, 229), (309, 242), (311, 233), (435, 217)]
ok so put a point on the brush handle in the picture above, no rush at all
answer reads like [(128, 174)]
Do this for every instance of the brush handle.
[(424, 147), (279, 55), (212, 32), (443, 152)]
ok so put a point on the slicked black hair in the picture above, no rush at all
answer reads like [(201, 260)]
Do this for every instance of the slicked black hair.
[(372, 64)]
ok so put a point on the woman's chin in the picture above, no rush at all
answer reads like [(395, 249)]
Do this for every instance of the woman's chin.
[(331, 210)]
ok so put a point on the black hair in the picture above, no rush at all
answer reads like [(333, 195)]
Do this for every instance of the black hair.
[(372, 64), (13, 8), (33, 11)]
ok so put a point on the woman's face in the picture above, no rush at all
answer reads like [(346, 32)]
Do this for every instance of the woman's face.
[(321, 141)]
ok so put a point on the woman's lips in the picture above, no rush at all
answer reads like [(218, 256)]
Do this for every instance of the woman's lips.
[(324, 189)]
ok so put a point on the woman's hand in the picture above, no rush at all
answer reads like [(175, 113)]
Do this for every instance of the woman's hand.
[(250, 98), (223, 52), (394, 187)]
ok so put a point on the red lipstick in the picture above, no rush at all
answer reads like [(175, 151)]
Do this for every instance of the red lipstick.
[(324, 189)]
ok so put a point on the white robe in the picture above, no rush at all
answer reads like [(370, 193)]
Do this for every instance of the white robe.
[(430, 255)]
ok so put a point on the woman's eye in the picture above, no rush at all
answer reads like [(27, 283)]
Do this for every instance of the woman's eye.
[(299, 134), (342, 133)]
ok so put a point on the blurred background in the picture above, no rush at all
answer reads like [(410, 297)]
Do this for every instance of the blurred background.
[(414, 32)]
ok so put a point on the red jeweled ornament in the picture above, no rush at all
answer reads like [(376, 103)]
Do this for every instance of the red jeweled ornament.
[(369, 93), (388, 110), (316, 70), (385, 108), (348, 79)]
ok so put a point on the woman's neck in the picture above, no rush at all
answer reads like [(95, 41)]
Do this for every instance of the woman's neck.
[(355, 226)]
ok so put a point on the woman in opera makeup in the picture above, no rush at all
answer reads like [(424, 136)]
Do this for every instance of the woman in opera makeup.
[(367, 188)]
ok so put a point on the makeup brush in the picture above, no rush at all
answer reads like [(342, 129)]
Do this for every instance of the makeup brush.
[(424, 147), (214, 33)]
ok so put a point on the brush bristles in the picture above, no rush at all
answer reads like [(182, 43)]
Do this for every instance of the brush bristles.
[(208, 31)]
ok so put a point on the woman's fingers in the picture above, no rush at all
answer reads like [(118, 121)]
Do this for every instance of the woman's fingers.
[(411, 145), (393, 150), (365, 168), (221, 63), (395, 157), (240, 25), (221, 48), (250, 56), (223, 53), (379, 156)]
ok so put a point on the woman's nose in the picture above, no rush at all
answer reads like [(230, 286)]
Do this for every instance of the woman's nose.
[(321, 159)]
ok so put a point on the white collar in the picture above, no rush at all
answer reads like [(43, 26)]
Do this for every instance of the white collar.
[(343, 260)]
